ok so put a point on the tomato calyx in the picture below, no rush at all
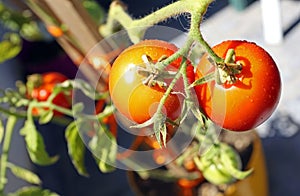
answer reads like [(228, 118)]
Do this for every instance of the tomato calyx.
[(226, 71), (153, 75)]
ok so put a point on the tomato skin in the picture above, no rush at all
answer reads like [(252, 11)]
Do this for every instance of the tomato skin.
[(252, 99), (45, 88), (138, 102)]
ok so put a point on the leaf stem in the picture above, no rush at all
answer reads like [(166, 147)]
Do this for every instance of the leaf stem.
[(18, 114), (11, 122)]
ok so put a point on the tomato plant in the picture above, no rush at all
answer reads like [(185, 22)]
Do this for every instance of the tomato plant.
[(130, 94), (251, 99), (41, 86)]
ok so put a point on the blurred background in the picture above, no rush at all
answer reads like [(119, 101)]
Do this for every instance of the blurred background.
[(272, 24)]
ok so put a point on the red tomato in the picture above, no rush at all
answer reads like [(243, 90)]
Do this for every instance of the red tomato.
[(137, 101), (252, 99), (44, 88)]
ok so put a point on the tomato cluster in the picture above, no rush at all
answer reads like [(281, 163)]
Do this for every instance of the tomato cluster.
[(42, 87), (240, 106)]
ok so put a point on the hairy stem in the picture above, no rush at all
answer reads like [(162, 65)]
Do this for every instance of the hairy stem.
[(136, 28), (196, 19)]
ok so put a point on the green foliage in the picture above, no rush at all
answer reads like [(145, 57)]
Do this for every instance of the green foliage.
[(46, 117), (24, 174), (10, 46), (32, 191), (1, 131), (95, 10), (76, 148), (104, 145), (20, 22), (35, 145)]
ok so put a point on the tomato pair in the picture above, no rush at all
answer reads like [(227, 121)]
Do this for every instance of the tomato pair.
[(240, 106), (42, 86)]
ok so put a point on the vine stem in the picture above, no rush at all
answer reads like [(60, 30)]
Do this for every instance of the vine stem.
[(136, 28), (11, 122), (195, 33)]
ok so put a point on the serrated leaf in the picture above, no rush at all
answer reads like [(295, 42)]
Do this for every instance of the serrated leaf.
[(32, 191), (1, 131), (76, 148), (24, 174), (46, 117), (104, 146), (35, 145)]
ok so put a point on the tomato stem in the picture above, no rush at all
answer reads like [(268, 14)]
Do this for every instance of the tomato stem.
[(11, 122), (136, 27)]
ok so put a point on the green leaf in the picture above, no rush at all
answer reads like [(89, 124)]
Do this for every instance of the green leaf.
[(104, 146), (35, 145), (10, 46), (24, 174), (32, 191), (30, 31), (1, 131), (232, 162), (95, 10), (76, 148), (46, 117)]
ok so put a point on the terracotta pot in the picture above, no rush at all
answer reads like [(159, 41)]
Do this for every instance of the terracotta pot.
[(255, 185)]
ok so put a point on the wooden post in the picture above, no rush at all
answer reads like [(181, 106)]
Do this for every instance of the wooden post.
[(80, 35)]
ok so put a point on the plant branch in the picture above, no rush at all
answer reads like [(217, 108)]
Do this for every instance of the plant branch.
[(11, 122), (136, 28)]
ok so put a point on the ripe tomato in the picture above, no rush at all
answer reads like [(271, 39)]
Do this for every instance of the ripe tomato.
[(251, 99), (137, 101), (43, 87)]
